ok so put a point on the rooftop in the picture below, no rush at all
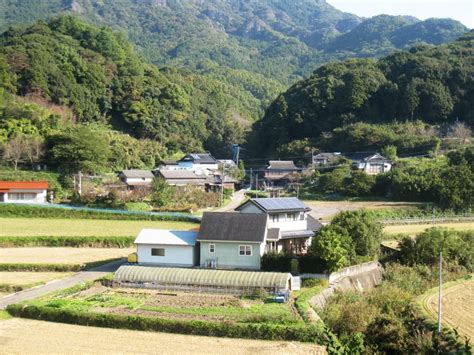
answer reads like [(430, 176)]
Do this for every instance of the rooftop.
[(277, 204), (232, 226), (24, 185), (180, 174), (137, 174), (200, 158), (282, 165), (363, 156), (166, 237)]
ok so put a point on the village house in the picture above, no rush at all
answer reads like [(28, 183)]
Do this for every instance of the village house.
[(323, 159), (167, 248), (136, 178), (232, 240), (290, 227), (182, 178), (371, 163), (23, 191), (200, 163), (280, 173)]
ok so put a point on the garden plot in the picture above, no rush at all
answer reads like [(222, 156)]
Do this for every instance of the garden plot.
[(82, 227), (413, 229), (188, 306), (91, 340), (60, 255)]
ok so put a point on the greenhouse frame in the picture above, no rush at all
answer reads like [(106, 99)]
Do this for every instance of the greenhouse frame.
[(202, 280)]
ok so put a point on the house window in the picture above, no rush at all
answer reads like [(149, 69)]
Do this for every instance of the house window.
[(158, 251), (212, 248), (245, 250), (275, 218), (291, 216)]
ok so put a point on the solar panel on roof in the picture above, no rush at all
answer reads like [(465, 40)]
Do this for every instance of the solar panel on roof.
[(282, 203)]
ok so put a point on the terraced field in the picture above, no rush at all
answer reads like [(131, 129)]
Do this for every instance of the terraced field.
[(457, 306), (414, 229)]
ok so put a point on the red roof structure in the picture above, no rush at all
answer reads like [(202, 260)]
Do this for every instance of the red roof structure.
[(6, 186)]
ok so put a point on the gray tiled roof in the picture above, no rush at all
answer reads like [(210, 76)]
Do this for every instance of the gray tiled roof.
[(137, 174), (278, 204), (231, 226), (282, 165), (200, 158), (180, 174)]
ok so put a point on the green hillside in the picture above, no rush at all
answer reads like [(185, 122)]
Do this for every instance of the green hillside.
[(432, 84)]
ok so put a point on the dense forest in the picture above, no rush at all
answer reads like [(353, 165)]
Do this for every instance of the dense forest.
[(97, 75), (251, 50), (355, 104)]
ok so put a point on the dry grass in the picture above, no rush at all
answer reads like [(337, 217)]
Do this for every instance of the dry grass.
[(29, 278), (79, 339), (60, 255), (413, 229), (81, 227), (457, 306)]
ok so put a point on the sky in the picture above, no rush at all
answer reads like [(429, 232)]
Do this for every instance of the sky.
[(461, 10)]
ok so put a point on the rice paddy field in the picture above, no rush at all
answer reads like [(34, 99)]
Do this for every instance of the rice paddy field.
[(457, 306), (91, 340), (60, 255), (82, 227), (413, 229)]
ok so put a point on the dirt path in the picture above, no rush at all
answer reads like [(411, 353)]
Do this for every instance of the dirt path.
[(237, 199), (24, 336), (457, 306), (61, 284)]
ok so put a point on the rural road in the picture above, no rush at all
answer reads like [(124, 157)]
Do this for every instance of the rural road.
[(237, 199), (56, 285)]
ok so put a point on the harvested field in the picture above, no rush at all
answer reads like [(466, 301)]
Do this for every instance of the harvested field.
[(29, 279), (327, 209), (60, 255), (457, 306), (79, 339), (82, 227), (413, 229)]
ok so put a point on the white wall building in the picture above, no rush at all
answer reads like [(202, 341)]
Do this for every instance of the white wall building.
[(167, 248), (23, 191)]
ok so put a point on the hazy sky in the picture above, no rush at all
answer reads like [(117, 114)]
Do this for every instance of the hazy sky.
[(461, 10)]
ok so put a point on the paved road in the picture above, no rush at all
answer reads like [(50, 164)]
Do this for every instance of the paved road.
[(61, 284), (237, 199)]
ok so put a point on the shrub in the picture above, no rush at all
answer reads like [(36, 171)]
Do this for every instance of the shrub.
[(76, 242)]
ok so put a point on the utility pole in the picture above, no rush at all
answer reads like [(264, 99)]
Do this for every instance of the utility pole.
[(80, 183), (222, 186), (251, 177), (439, 290)]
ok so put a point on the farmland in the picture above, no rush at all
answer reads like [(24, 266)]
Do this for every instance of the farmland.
[(22, 280), (81, 339), (82, 227), (457, 306), (413, 229), (60, 255)]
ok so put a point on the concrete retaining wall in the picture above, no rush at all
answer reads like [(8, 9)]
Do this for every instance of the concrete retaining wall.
[(358, 277)]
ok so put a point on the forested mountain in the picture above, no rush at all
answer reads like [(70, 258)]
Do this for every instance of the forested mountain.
[(97, 74), (281, 40), (434, 84)]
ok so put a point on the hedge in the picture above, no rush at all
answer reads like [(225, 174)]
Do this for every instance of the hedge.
[(281, 262), (263, 331), (15, 210), (75, 242), (53, 267)]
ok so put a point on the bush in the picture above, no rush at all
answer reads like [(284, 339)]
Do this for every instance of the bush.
[(282, 262), (137, 206), (14, 210)]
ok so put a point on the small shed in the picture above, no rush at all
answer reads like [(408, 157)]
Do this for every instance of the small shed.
[(23, 191), (219, 281), (167, 247)]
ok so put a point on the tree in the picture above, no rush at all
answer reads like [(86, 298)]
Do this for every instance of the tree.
[(80, 148), (456, 188), (364, 231), (359, 184), (34, 149), (330, 246), (390, 152), (14, 150), (161, 192)]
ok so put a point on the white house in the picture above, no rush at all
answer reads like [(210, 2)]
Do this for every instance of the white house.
[(167, 248), (290, 227), (201, 164), (23, 191), (370, 162), (135, 178)]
